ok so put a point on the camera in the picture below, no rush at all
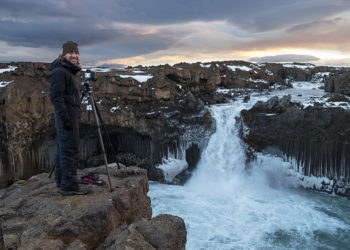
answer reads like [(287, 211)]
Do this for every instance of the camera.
[(89, 75)]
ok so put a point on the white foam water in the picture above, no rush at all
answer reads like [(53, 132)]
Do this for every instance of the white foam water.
[(226, 206)]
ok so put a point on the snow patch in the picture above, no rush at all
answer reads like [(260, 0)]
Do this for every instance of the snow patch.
[(139, 78), (10, 68), (234, 67), (320, 76), (139, 72), (304, 85), (290, 65), (222, 91), (269, 72), (114, 109), (256, 80), (4, 83), (254, 66), (205, 65)]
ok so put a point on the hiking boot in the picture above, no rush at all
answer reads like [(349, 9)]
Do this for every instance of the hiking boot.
[(76, 191)]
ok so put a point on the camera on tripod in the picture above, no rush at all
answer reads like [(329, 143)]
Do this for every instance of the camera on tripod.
[(89, 75)]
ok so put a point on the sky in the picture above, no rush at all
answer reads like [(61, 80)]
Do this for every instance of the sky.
[(153, 32)]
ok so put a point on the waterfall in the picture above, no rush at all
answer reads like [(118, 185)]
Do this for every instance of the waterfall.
[(228, 206), (224, 155)]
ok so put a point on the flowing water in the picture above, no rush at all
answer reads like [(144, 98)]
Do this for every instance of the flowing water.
[(226, 206)]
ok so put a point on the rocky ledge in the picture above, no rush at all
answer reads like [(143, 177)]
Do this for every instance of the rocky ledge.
[(34, 215)]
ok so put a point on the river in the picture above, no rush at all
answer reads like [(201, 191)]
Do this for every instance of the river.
[(226, 205)]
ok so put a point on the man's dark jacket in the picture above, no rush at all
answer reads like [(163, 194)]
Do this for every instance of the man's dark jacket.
[(64, 93)]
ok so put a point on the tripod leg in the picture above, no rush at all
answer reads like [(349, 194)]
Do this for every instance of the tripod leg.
[(100, 138), (107, 135), (51, 171)]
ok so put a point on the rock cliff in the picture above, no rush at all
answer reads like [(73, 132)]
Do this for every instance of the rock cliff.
[(338, 83), (151, 113), (34, 215), (316, 137)]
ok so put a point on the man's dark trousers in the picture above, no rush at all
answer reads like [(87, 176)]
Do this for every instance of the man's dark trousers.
[(67, 157)]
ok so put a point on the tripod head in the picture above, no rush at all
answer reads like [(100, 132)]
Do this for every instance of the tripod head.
[(89, 75)]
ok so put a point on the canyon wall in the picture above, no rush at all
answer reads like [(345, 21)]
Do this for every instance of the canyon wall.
[(151, 113)]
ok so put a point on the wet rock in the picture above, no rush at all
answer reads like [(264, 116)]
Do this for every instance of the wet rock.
[(317, 138), (246, 99), (338, 83), (347, 192), (338, 98)]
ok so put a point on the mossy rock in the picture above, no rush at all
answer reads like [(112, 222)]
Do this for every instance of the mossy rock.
[(22, 182), (43, 175)]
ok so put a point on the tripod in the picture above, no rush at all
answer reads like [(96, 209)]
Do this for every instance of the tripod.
[(87, 91)]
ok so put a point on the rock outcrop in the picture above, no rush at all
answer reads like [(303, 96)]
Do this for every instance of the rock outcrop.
[(34, 215), (338, 83), (162, 232), (316, 137)]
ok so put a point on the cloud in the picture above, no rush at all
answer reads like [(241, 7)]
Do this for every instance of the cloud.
[(50, 34), (285, 58), (326, 35), (110, 29), (83, 19)]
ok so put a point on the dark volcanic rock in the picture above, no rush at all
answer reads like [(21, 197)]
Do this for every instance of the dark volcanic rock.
[(317, 138), (147, 235), (35, 215), (2, 246), (338, 83), (347, 192), (147, 121)]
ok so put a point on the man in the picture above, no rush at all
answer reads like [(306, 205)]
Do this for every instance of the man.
[(65, 97)]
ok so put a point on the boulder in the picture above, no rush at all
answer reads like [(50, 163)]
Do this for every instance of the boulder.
[(162, 232)]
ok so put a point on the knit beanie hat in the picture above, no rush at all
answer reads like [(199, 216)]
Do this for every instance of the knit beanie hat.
[(69, 47)]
